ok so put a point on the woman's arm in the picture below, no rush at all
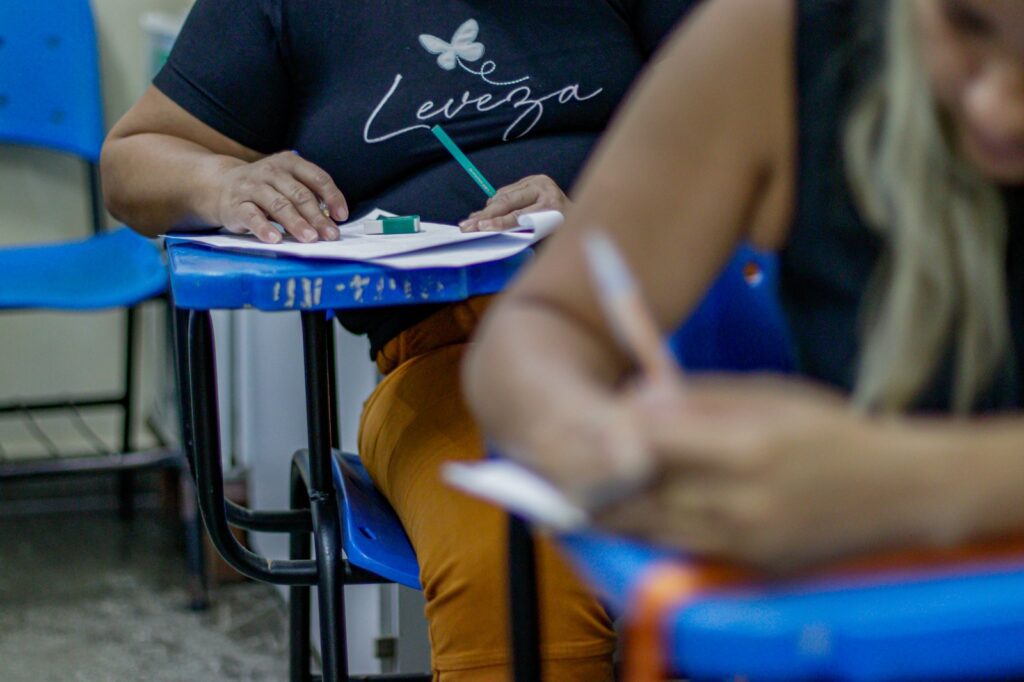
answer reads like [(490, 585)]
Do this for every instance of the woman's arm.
[(782, 474), (700, 158), (165, 169)]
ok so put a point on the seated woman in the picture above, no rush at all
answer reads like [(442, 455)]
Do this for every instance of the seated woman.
[(885, 166), (353, 89)]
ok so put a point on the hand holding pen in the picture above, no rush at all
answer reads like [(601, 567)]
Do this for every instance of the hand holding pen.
[(659, 377), (530, 195), (583, 432)]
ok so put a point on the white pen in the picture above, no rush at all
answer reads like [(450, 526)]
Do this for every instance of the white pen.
[(622, 302)]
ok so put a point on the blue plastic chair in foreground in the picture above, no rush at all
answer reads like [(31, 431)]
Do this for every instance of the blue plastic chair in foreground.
[(50, 98)]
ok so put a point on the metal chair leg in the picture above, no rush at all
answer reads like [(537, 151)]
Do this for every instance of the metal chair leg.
[(195, 556), (126, 478), (195, 560), (203, 429), (332, 385), (299, 547), (322, 496), (523, 602)]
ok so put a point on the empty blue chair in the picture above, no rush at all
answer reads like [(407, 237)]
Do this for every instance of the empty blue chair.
[(50, 98), (50, 77)]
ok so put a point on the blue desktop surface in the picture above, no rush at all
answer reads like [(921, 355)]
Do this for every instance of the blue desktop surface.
[(203, 278), (925, 624)]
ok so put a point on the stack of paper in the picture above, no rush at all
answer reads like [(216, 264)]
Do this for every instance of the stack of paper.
[(437, 245)]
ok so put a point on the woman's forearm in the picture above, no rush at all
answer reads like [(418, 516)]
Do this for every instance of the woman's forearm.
[(546, 408), (984, 462), (156, 182)]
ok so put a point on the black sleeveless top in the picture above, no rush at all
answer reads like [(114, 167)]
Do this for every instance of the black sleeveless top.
[(831, 254)]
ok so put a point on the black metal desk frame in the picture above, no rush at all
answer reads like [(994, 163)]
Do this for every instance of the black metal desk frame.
[(313, 522)]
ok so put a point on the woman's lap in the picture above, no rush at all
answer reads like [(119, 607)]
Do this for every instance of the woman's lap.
[(415, 421)]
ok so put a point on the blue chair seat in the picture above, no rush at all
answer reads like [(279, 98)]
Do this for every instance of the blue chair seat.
[(112, 269), (928, 625), (374, 537)]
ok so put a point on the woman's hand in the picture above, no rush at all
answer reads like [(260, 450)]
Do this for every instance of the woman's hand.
[(284, 188), (780, 474), (502, 211)]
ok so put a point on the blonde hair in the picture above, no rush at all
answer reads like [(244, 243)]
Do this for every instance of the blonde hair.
[(942, 279)]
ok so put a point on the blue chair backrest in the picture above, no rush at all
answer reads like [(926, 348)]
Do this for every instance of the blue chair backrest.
[(50, 92), (739, 326)]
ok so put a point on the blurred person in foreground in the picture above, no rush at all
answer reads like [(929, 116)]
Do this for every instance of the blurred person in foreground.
[(879, 148)]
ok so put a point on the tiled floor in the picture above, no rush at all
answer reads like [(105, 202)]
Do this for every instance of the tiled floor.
[(86, 597)]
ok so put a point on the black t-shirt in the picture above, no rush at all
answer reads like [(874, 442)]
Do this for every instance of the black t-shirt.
[(524, 87)]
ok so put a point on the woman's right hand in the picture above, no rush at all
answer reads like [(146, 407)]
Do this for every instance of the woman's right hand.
[(284, 188)]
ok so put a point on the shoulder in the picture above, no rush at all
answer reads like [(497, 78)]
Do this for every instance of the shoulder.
[(213, 21)]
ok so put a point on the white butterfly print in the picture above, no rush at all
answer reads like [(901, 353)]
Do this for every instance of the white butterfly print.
[(462, 46)]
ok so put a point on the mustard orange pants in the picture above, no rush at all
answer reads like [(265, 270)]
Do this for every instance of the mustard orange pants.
[(414, 421)]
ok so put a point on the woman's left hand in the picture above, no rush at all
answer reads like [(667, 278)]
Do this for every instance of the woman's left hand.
[(780, 474), (502, 211)]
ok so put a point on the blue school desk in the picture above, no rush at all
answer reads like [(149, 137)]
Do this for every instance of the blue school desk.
[(942, 623), (207, 279), (333, 503)]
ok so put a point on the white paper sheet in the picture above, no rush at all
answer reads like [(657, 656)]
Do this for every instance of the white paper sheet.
[(436, 246), (353, 245), (499, 247)]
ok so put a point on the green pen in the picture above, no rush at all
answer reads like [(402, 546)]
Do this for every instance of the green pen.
[(463, 160)]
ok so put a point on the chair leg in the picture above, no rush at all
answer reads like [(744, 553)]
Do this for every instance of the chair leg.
[(523, 602), (299, 547), (323, 498), (332, 385), (195, 556), (126, 479), (195, 560)]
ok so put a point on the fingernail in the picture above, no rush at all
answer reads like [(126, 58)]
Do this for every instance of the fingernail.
[(485, 224), (341, 215), (274, 236), (466, 223), (333, 233), (309, 235)]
